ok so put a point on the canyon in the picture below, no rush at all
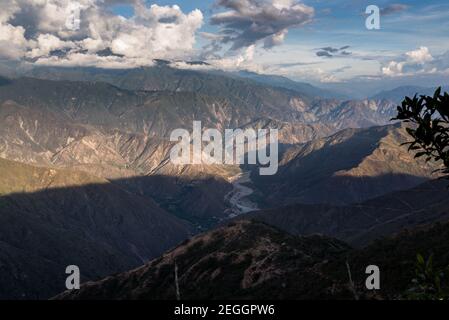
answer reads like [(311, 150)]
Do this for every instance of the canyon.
[(87, 178)]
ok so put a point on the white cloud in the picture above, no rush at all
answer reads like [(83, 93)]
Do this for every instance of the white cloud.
[(13, 43), (420, 55), (241, 61), (419, 61), (46, 43), (276, 39), (34, 29), (92, 60), (393, 68)]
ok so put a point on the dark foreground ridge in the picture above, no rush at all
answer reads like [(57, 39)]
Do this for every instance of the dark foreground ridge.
[(251, 260)]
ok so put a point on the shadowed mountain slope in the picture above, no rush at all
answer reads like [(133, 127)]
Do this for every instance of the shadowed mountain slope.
[(350, 166), (359, 224), (250, 260), (52, 218), (242, 261)]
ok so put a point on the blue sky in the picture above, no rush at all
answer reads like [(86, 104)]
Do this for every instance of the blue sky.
[(339, 23), (343, 20)]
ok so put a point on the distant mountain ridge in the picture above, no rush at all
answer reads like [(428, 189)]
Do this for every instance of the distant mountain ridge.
[(284, 82), (398, 94), (223, 101), (178, 79)]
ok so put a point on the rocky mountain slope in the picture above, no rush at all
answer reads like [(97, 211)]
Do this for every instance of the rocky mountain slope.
[(361, 223), (48, 138), (355, 113), (348, 167), (264, 92), (157, 114), (245, 260), (162, 77), (250, 260), (52, 218)]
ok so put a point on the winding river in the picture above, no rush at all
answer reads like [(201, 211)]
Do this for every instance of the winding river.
[(238, 197)]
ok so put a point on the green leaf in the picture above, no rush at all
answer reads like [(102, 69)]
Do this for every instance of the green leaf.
[(420, 259)]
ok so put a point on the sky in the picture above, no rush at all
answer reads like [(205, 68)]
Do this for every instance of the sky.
[(317, 41)]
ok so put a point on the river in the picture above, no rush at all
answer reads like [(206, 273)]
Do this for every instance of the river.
[(238, 197)]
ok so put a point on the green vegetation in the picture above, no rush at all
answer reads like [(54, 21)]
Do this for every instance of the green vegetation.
[(430, 132), (429, 283), (430, 116)]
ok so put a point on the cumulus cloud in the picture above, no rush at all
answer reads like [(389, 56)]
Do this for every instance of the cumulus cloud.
[(13, 43), (246, 22), (37, 31), (420, 55), (419, 61)]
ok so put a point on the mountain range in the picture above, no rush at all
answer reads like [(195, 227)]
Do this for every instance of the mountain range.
[(116, 133), (398, 94), (87, 180), (350, 166)]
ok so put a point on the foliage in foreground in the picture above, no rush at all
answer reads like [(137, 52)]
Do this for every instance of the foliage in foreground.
[(429, 283), (430, 116)]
